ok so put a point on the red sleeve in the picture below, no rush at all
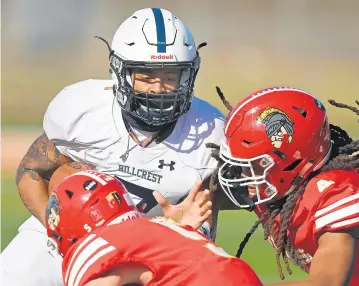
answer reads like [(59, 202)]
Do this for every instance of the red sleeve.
[(337, 203), (87, 259)]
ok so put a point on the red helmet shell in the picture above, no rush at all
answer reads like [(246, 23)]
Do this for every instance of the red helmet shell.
[(83, 202), (287, 126)]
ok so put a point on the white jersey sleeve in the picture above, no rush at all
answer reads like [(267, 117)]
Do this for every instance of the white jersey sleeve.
[(204, 124), (71, 111)]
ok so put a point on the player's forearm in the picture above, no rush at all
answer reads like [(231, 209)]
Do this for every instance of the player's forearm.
[(209, 227), (108, 281), (213, 219), (33, 173), (124, 274), (34, 194)]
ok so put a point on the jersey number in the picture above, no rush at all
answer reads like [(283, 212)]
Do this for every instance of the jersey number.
[(87, 228), (323, 184), (147, 202)]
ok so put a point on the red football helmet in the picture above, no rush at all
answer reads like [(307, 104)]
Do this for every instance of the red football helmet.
[(83, 202), (274, 139)]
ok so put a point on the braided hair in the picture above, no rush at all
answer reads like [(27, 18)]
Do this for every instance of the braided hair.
[(344, 155)]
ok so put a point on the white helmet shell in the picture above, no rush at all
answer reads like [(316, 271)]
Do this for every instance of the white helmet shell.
[(154, 35), (154, 38)]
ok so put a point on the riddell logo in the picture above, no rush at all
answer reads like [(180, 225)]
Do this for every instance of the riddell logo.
[(162, 57)]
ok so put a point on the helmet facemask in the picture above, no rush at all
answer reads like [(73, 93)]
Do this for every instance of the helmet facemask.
[(245, 180), (153, 108)]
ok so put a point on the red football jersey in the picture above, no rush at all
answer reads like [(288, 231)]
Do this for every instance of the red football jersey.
[(330, 203), (177, 255)]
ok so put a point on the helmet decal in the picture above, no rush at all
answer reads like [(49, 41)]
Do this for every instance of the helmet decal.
[(277, 125), (90, 185), (52, 212), (113, 198), (160, 29), (96, 215)]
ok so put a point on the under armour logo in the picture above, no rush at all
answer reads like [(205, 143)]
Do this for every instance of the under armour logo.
[(170, 165)]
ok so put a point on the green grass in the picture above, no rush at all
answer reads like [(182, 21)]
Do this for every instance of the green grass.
[(232, 227), (13, 212)]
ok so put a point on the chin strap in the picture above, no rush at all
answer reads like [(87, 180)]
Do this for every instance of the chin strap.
[(158, 136)]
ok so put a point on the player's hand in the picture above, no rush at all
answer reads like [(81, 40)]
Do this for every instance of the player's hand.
[(190, 212)]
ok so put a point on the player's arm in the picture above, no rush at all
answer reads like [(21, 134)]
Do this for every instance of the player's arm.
[(193, 210), (333, 262), (129, 273), (34, 172), (209, 227)]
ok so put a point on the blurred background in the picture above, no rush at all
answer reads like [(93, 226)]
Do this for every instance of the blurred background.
[(48, 44)]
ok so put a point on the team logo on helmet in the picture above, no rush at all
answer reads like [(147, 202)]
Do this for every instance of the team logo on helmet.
[(277, 125), (52, 212), (113, 198)]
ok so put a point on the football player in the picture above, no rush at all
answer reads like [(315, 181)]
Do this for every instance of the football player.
[(144, 126), (93, 223), (281, 158)]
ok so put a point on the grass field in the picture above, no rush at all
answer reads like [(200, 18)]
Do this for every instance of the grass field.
[(233, 225)]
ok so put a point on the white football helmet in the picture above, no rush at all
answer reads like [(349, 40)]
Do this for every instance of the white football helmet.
[(154, 38)]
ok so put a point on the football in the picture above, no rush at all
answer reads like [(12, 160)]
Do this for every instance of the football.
[(66, 170)]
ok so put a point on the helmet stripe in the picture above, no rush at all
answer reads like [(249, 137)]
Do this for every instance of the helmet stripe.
[(160, 30), (93, 176)]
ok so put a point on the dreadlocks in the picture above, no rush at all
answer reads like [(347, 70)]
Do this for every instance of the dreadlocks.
[(344, 155), (213, 183)]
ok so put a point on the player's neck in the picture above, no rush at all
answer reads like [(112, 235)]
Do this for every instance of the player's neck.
[(144, 134), (138, 125), (141, 134)]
